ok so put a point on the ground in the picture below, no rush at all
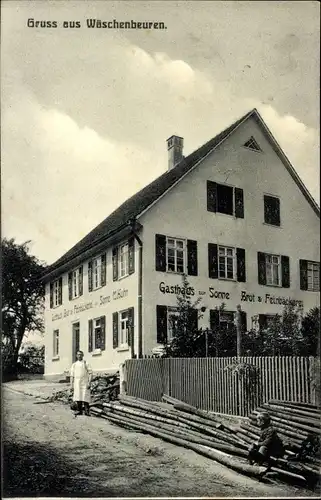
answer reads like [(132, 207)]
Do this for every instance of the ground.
[(49, 452)]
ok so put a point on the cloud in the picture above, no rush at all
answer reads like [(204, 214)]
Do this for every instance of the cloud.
[(72, 154)]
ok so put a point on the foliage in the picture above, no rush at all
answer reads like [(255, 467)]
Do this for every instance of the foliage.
[(289, 334), (316, 380), (22, 299), (187, 340), (32, 358), (249, 376)]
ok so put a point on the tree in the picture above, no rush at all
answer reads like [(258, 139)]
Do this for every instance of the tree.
[(187, 341), (22, 299), (32, 357), (311, 332)]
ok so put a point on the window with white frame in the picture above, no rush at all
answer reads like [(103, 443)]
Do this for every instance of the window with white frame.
[(226, 263), (56, 294), (75, 283), (273, 269), (123, 328), (56, 343), (172, 319), (313, 276), (175, 255), (227, 321), (96, 272), (123, 261), (97, 330)]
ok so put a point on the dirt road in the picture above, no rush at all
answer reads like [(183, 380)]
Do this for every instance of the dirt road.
[(49, 452)]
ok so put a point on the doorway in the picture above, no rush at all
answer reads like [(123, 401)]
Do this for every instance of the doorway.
[(75, 340)]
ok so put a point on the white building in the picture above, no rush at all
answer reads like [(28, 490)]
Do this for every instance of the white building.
[(233, 215)]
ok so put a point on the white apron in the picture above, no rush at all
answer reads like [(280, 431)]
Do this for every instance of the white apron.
[(80, 371)]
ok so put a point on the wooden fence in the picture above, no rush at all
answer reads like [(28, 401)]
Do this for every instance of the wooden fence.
[(208, 384)]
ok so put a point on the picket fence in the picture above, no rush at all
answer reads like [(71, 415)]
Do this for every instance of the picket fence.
[(208, 384)]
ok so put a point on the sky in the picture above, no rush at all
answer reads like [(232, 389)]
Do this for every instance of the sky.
[(85, 113)]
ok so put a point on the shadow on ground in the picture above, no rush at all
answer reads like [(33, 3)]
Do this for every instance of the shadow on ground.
[(30, 470)]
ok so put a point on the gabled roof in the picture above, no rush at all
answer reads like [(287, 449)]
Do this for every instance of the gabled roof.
[(140, 201)]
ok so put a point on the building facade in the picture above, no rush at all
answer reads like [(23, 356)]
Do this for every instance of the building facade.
[(233, 216)]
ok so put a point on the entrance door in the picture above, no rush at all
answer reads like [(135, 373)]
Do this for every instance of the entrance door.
[(75, 340)]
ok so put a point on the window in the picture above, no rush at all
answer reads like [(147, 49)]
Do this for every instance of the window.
[(313, 276), (123, 260), (96, 333), (55, 343), (252, 145), (175, 255), (56, 293), (172, 319), (227, 321), (271, 210), (225, 199), (226, 262), (273, 270), (97, 272), (75, 283), (123, 328)]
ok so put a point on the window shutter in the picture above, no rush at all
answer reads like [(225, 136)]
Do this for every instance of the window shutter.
[(285, 267), (90, 335), (212, 261), (160, 254), (193, 318), (103, 333), (131, 255), (239, 203), (243, 322), (51, 295), (103, 269), (90, 276), (115, 264), (115, 330), (60, 290), (70, 285), (240, 265), (161, 320), (211, 196), (192, 257), (303, 275), (214, 319), (261, 268), (131, 326), (262, 321), (81, 280)]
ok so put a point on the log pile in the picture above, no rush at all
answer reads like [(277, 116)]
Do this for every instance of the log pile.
[(204, 432), (104, 388)]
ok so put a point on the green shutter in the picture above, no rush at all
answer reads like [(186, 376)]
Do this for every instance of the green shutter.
[(131, 326), (285, 269), (161, 322), (115, 330), (214, 320), (115, 263), (212, 261), (160, 252), (211, 196), (261, 268), (131, 256), (103, 333), (51, 295), (60, 290), (239, 203), (240, 265), (70, 285), (90, 276), (81, 280), (90, 335), (192, 257), (103, 269), (303, 274)]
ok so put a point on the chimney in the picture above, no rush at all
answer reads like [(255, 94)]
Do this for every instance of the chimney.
[(175, 150)]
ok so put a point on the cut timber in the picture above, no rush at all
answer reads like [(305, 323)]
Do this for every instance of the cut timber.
[(287, 430), (189, 437), (171, 400), (295, 425), (230, 462), (288, 475), (293, 418), (293, 410), (191, 409), (294, 403)]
